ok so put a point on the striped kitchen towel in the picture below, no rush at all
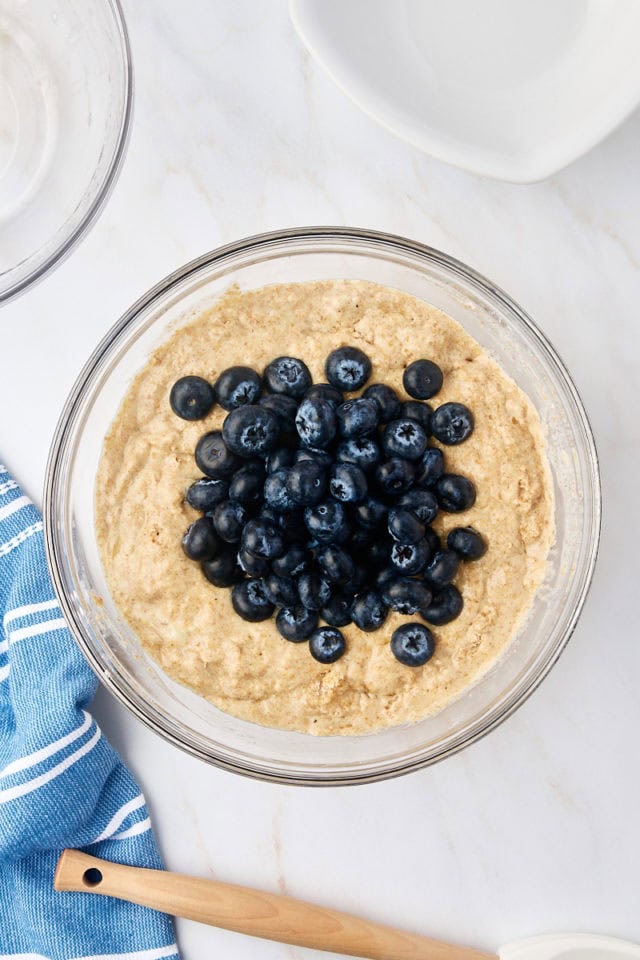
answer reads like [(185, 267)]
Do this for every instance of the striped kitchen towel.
[(61, 783)]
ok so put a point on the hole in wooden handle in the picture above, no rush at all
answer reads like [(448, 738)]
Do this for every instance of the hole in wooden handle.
[(92, 877)]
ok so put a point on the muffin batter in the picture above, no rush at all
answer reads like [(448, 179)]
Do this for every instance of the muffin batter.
[(248, 669)]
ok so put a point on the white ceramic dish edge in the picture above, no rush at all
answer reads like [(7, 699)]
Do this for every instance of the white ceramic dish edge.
[(555, 158)]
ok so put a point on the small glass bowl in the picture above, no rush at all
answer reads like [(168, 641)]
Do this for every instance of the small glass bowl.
[(191, 722), (65, 110)]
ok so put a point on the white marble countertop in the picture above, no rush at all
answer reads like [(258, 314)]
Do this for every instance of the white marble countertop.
[(535, 828)]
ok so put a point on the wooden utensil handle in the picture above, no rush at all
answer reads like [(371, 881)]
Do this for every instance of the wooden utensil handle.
[(258, 914)]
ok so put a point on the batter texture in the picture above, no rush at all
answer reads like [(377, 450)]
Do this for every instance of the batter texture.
[(248, 669)]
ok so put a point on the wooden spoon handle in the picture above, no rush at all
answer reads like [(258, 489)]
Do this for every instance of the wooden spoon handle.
[(258, 914)]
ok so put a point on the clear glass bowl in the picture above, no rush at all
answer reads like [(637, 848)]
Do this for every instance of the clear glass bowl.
[(65, 109), (511, 338)]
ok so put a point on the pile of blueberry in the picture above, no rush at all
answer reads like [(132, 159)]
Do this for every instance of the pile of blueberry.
[(316, 507)]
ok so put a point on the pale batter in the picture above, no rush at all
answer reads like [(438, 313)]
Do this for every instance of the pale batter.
[(248, 669)]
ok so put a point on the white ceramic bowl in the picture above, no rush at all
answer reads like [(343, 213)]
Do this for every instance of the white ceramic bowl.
[(511, 89)]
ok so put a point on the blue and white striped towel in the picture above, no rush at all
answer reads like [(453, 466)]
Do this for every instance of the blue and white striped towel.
[(61, 783)]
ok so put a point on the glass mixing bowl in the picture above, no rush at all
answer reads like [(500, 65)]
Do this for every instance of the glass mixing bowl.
[(65, 109), (109, 644)]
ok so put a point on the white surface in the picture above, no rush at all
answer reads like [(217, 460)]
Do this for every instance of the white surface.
[(512, 89), (570, 946), (534, 829)]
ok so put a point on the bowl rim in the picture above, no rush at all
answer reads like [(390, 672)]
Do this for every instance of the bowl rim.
[(68, 244), (65, 429)]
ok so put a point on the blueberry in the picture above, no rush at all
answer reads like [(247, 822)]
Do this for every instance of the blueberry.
[(283, 591), (433, 540), (405, 439), (422, 502), (327, 522), (214, 457), (205, 493), (383, 578), (316, 423), (357, 417), (416, 410), (293, 562), (363, 451), (314, 590), (412, 644), (406, 596), (380, 552), (262, 539), (293, 527), (307, 482), (410, 558), (276, 492), (452, 423), (318, 456), (253, 566), (284, 408), (191, 398), (279, 458), (325, 392), (229, 517), (357, 581), (270, 515), (287, 375), (200, 541), (250, 601), (336, 564), (405, 526), (348, 368), (370, 513), (422, 379), (251, 431), (337, 612), (347, 483), (467, 543), (296, 623), (441, 569), (223, 570), (455, 493), (361, 539), (247, 485), (326, 645), (237, 386), (395, 476), (369, 611), (387, 399), (445, 606), (430, 467)]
